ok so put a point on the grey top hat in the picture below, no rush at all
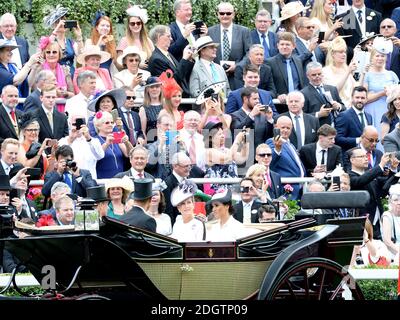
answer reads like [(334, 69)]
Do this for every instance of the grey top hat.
[(143, 189)]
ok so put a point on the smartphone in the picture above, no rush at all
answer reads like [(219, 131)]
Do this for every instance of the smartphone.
[(115, 114), (52, 142), (198, 25), (171, 136), (118, 136), (277, 133), (215, 96), (69, 24), (79, 122), (263, 108), (226, 66), (140, 74), (336, 180), (327, 105), (34, 173), (321, 36), (15, 193)]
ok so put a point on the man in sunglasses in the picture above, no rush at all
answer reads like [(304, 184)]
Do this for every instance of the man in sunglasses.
[(246, 209), (388, 29)]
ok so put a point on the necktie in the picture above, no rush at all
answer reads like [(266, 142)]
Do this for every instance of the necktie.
[(50, 118), (388, 60), (131, 128), (12, 114), (192, 150), (67, 179), (268, 178), (323, 156), (290, 76), (359, 16), (265, 45), (298, 132), (369, 155), (362, 120), (214, 72), (319, 89), (227, 47)]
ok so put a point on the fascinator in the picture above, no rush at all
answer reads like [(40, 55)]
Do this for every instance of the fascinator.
[(98, 15), (393, 93), (57, 13), (383, 45), (169, 85), (183, 191), (138, 11)]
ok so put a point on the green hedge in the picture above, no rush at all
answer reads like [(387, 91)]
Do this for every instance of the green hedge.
[(160, 11)]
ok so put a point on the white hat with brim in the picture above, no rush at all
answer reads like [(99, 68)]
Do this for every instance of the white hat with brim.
[(130, 50), (7, 44), (393, 92), (383, 45), (291, 9), (208, 91), (118, 94), (55, 15), (93, 51), (125, 183), (183, 191), (203, 42)]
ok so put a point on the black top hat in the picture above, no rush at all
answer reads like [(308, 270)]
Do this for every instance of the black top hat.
[(4, 182), (143, 189), (97, 193)]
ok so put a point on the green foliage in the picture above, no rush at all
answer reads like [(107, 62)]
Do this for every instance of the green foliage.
[(378, 289), (36, 290), (293, 208)]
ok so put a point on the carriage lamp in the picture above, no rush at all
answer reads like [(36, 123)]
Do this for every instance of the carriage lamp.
[(6, 221), (86, 217)]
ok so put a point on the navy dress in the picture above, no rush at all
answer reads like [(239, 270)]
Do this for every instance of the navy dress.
[(112, 163)]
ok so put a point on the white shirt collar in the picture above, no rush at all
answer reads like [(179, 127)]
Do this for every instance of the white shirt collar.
[(178, 177), (292, 115)]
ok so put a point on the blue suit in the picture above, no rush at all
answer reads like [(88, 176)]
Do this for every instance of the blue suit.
[(275, 190), (178, 42), (272, 41), (286, 165), (234, 102), (348, 127)]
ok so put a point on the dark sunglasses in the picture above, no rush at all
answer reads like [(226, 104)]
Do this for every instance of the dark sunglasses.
[(52, 52), (387, 27), (225, 13), (137, 23), (133, 60), (130, 97), (262, 155)]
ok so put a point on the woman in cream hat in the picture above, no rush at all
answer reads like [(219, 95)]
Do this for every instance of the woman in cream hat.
[(131, 75), (290, 13), (391, 118), (118, 191), (136, 34)]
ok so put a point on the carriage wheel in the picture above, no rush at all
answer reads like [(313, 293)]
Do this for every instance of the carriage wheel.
[(92, 297), (315, 279)]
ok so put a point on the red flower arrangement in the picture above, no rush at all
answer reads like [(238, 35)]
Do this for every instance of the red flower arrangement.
[(34, 193), (45, 220)]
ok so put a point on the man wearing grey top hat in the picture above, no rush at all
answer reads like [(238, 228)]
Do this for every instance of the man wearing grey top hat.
[(137, 216)]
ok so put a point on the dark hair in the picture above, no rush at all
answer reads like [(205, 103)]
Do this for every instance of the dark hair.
[(64, 151), (359, 89), (350, 152), (247, 179), (247, 91), (252, 68), (391, 113), (230, 209), (162, 204), (97, 106), (265, 208), (326, 130)]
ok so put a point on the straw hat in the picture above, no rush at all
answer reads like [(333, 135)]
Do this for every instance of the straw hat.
[(92, 50), (125, 183), (119, 96), (291, 9), (130, 50), (203, 42)]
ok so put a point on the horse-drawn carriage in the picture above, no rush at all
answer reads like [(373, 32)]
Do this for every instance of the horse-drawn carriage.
[(293, 259)]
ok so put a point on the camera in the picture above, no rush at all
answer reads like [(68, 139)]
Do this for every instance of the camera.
[(71, 164), (226, 66), (244, 189)]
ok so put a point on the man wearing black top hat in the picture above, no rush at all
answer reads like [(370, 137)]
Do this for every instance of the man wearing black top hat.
[(141, 197)]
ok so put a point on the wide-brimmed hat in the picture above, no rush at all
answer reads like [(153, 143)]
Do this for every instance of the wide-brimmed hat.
[(291, 9), (57, 13), (224, 197), (92, 50), (393, 93), (119, 96), (203, 42), (185, 190), (208, 91), (4, 43), (138, 11), (125, 183), (383, 45), (97, 193), (150, 81), (368, 37), (143, 189), (130, 50), (4, 182)]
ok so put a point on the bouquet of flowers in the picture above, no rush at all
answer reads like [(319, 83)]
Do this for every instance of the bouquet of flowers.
[(35, 194), (45, 220), (293, 205)]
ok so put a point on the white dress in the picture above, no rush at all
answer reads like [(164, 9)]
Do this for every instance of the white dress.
[(164, 225), (191, 231)]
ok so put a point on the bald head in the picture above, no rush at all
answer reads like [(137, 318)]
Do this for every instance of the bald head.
[(369, 138), (284, 123), (387, 28)]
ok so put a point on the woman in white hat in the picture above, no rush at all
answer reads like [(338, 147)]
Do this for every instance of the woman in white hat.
[(118, 191), (131, 76), (136, 34), (391, 118), (186, 228), (157, 208)]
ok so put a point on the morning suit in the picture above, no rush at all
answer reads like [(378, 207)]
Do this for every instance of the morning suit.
[(60, 124), (128, 173), (306, 56), (279, 73), (240, 45), (158, 63), (238, 211), (395, 61), (201, 78), (136, 123), (376, 158), (309, 160), (351, 26), (275, 190), (178, 42), (7, 129), (137, 217), (311, 126), (262, 129), (32, 102), (348, 127), (79, 185), (266, 81), (313, 102), (272, 42), (288, 164), (235, 102)]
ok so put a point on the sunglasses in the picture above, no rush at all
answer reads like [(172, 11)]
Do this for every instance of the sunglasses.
[(130, 97), (133, 60), (387, 27), (262, 155), (52, 52), (108, 122), (137, 23), (225, 13)]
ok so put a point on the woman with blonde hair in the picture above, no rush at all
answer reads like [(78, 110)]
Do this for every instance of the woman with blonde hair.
[(136, 34), (336, 71), (322, 16), (257, 173)]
